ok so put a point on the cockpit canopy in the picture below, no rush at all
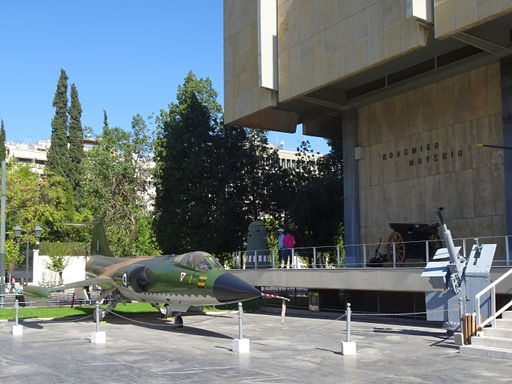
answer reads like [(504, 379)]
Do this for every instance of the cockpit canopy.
[(200, 261)]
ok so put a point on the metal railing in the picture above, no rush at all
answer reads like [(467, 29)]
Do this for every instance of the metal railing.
[(491, 287), (369, 255)]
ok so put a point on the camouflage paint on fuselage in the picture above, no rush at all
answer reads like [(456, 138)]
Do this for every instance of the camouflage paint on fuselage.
[(180, 281)]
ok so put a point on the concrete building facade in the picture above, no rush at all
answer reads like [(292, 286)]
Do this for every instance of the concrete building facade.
[(411, 86)]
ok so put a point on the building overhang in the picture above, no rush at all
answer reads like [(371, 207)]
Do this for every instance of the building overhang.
[(320, 110)]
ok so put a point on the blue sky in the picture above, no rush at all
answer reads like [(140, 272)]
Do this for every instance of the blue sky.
[(126, 57)]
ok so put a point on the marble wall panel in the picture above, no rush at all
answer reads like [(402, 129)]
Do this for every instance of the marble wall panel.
[(417, 204), (478, 93), (432, 186), (443, 165), (445, 102), (494, 88), (497, 190), (391, 203), (428, 109)]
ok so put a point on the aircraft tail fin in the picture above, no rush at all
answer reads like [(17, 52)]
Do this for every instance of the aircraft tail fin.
[(99, 243)]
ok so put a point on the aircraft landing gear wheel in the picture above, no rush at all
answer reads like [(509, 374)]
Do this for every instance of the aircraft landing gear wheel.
[(178, 321), (166, 313)]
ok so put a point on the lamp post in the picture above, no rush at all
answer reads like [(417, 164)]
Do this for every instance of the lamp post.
[(17, 233)]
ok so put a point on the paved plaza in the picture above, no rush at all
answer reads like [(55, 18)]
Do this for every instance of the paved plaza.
[(145, 349)]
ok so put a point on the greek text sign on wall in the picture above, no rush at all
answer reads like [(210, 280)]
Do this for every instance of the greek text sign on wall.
[(423, 154)]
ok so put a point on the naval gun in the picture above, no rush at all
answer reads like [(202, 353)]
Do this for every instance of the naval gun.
[(457, 279)]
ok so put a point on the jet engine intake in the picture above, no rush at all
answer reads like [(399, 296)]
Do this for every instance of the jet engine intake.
[(137, 279)]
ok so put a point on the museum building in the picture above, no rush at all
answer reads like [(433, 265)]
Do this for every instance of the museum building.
[(410, 86)]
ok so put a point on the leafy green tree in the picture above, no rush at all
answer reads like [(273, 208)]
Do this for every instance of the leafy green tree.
[(3, 152), (76, 140), (116, 187), (58, 161), (32, 201), (211, 180), (314, 207), (13, 256), (57, 264)]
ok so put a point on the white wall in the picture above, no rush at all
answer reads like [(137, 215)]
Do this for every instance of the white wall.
[(74, 271)]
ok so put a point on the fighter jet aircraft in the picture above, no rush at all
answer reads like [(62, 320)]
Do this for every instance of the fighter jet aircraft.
[(180, 282)]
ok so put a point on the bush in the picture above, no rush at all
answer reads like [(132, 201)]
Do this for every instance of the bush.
[(64, 249)]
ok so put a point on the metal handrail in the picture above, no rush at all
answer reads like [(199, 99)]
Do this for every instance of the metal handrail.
[(495, 314), (365, 253)]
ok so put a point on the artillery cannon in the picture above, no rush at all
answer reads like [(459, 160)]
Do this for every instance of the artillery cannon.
[(409, 242)]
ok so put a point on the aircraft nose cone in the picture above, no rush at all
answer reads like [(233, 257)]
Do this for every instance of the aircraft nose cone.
[(228, 288)]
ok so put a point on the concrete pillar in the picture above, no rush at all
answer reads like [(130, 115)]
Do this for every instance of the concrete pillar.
[(351, 190), (506, 102)]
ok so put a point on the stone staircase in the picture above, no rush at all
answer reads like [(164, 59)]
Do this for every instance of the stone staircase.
[(492, 342)]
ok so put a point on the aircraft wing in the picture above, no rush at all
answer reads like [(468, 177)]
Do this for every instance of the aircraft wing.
[(45, 292)]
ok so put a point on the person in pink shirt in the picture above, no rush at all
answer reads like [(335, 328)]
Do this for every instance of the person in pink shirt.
[(289, 243)]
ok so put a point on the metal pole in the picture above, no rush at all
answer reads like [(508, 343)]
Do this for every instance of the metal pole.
[(240, 321), (507, 251), (427, 256), (348, 312), (97, 316), (394, 255), (364, 255), (461, 312), (293, 260), (26, 263), (16, 309), (2, 239), (493, 308), (314, 257), (273, 260), (255, 260), (338, 255)]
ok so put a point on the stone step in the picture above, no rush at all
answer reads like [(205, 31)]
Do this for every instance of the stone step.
[(504, 323), (479, 350), (492, 342), (498, 332), (507, 315)]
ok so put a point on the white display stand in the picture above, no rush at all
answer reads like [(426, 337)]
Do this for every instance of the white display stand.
[(98, 337), (348, 348), (17, 330), (241, 345)]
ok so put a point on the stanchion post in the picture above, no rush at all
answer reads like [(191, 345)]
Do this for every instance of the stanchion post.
[(240, 321), (98, 337), (348, 312), (240, 345), (97, 316), (17, 329), (16, 309), (348, 347)]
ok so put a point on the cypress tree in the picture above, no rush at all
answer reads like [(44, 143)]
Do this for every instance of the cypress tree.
[(58, 157), (3, 153), (105, 119), (76, 140)]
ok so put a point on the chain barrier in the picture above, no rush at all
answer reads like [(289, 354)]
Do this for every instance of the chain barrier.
[(332, 321), (210, 317), (397, 314)]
